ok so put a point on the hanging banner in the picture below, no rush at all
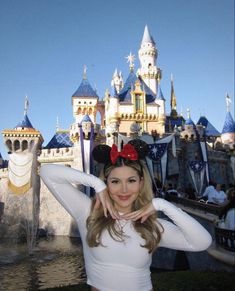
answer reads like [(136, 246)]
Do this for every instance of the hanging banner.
[(157, 150), (205, 158), (19, 172), (197, 172)]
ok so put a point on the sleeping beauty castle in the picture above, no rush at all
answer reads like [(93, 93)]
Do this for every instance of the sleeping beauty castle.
[(181, 152)]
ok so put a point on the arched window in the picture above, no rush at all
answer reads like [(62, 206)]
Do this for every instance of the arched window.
[(9, 145), (16, 145), (24, 145)]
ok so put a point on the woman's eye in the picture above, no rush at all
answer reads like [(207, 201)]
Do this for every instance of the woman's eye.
[(132, 181), (114, 181)]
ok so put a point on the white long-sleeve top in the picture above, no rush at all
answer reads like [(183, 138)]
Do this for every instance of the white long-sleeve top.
[(118, 266)]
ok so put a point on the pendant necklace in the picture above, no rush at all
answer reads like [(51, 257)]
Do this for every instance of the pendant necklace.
[(121, 224)]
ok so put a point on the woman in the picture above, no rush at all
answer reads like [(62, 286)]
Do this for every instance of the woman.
[(120, 237)]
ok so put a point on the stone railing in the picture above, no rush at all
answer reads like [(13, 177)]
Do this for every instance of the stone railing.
[(209, 208), (225, 238)]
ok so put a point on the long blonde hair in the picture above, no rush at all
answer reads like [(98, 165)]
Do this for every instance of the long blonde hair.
[(149, 230)]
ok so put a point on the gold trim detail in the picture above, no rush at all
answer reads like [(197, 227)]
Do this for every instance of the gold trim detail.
[(19, 190)]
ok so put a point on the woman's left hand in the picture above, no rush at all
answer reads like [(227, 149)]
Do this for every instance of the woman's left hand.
[(142, 213), (103, 198)]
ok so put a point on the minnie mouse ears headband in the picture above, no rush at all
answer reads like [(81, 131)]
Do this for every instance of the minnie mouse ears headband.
[(133, 150)]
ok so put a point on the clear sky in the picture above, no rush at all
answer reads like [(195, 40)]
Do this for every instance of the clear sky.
[(44, 45)]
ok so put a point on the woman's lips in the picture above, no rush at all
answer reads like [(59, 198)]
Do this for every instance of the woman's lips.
[(124, 197)]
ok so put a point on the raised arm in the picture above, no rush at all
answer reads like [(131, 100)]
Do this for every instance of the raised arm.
[(62, 181), (184, 232)]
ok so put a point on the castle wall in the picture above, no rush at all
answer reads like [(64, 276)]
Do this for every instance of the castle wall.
[(53, 217)]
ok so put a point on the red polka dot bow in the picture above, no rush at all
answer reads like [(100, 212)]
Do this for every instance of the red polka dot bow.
[(128, 152)]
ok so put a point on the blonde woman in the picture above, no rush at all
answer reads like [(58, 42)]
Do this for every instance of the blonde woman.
[(120, 229)]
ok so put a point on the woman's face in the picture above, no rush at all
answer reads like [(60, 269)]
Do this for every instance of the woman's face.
[(124, 185)]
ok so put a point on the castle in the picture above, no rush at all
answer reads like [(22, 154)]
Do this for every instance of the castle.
[(134, 109)]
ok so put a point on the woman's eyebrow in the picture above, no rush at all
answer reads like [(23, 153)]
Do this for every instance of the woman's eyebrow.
[(117, 178)]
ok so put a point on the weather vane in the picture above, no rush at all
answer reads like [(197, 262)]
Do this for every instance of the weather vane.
[(130, 59)]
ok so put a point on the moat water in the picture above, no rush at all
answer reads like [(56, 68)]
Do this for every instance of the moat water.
[(56, 261)]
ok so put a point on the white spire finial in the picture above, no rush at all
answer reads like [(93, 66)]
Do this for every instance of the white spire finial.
[(26, 105), (181, 111), (228, 102), (188, 112), (84, 72), (57, 123), (171, 77), (130, 59)]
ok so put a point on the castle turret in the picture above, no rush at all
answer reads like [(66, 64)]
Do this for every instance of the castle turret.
[(24, 137), (112, 112), (84, 102), (23, 143), (228, 131), (160, 100), (148, 55), (117, 81), (173, 100)]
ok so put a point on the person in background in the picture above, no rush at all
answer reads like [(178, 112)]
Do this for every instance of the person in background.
[(170, 190), (120, 229), (228, 215), (208, 191), (214, 194), (217, 196)]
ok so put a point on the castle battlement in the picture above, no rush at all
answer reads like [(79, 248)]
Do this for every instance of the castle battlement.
[(56, 155)]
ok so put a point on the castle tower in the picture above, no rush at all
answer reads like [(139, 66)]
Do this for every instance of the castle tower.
[(148, 70), (23, 143), (160, 100), (84, 102), (228, 131), (111, 112), (117, 81), (173, 100)]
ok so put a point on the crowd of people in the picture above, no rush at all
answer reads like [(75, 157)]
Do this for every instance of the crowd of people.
[(214, 194)]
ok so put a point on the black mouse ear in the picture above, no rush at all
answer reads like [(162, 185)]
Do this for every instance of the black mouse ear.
[(101, 153), (140, 146)]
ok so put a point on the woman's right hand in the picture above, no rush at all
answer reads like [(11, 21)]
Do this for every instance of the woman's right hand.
[(104, 199)]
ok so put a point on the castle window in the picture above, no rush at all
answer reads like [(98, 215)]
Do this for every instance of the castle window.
[(139, 103), (24, 145), (9, 144), (16, 145)]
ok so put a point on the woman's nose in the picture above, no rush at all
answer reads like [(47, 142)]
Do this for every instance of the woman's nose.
[(124, 188)]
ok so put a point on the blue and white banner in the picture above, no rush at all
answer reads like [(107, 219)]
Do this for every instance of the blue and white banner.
[(150, 141), (205, 158), (197, 172), (156, 151)]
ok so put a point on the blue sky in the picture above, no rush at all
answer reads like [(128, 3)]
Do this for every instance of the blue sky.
[(44, 45)]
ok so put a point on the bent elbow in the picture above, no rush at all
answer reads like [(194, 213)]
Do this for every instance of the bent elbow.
[(204, 243)]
